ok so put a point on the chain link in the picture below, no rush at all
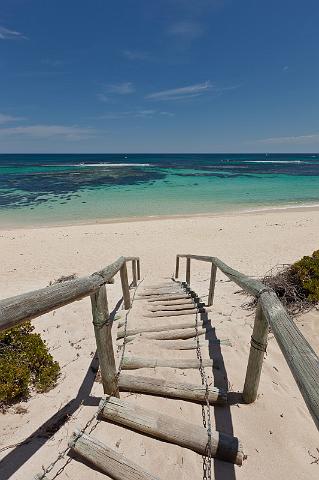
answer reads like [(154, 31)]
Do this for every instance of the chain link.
[(95, 417), (207, 457)]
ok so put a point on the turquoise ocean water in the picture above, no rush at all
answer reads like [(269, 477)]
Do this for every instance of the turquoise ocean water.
[(57, 189)]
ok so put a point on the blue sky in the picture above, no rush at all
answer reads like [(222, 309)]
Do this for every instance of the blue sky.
[(159, 76)]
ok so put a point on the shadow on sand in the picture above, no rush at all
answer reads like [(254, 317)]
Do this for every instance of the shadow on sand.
[(29, 446), (222, 413)]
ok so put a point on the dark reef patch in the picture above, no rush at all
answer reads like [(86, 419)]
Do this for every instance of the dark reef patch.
[(35, 188)]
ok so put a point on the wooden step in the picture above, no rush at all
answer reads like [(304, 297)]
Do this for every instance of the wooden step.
[(180, 334), (173, 313), (160, 328), (192, 344), (133, 363), (169, 308), (160, 303), (172, 296), (171, 429), (163, 285), (148, 293), (106, 459), (165, 388)]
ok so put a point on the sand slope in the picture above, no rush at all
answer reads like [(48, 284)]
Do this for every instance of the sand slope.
[(277, 432)]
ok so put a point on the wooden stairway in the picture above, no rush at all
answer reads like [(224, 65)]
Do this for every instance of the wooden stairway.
[(167, 332), (164, 317)]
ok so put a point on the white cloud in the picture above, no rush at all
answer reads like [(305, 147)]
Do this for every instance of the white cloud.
[(47, 131), (135, 55), (124, 88), (6, 34), (291, 140), (167, 114), (109, 90), (8, 118), (182, 92), (186, 29), (145, 113), (139, 113), (190, 91)]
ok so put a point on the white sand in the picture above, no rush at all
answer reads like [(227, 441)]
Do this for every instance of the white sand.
[(277, 431)]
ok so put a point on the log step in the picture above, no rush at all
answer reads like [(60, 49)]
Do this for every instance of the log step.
[(133, 363), (150, 293), (172, 313), (155, 298), (164, 388), (163, 285), (171, 429), (106, 459), (122, 322), (192, 344), (159, 328), (181, 301), (169, 308), (180, 334)]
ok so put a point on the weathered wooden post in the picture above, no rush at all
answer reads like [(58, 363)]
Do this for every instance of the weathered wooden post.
[(138, 269), (103, 336), (188, 271), (177, 267), (134, 273), (256, 356), (125, 286), (212, 285)]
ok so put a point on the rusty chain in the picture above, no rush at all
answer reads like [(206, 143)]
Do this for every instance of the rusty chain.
[(95, 417)]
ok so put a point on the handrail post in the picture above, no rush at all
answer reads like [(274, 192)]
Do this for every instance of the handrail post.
[(138, 269), (177, 267), (212, 285), (125, 287), (134, 273), (188, 271), (103, 336), (256, 356)]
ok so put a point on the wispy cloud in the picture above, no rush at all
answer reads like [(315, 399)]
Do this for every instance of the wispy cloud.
[(186, 29), (73, 132), (309, 138), (102, 97), (124, 88), (167, 114), (109, 90), (139, 113), (181, 92), (8, 118), (7, 34), (135, 55), (190, 91)]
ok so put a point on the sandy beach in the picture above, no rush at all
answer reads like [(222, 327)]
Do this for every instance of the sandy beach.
[(278, 435)]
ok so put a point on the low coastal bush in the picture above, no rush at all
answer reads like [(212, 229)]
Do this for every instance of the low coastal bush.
[(25, 363), (296, 285), (307, 271)]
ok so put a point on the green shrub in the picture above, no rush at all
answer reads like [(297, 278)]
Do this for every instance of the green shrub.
[(24, 363), (307, 270)]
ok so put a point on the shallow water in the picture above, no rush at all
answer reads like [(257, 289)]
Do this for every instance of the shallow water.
[(44, 189)]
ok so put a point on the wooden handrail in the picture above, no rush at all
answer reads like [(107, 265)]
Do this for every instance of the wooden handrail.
[(251, 286), (299, 355), (15, 310)]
